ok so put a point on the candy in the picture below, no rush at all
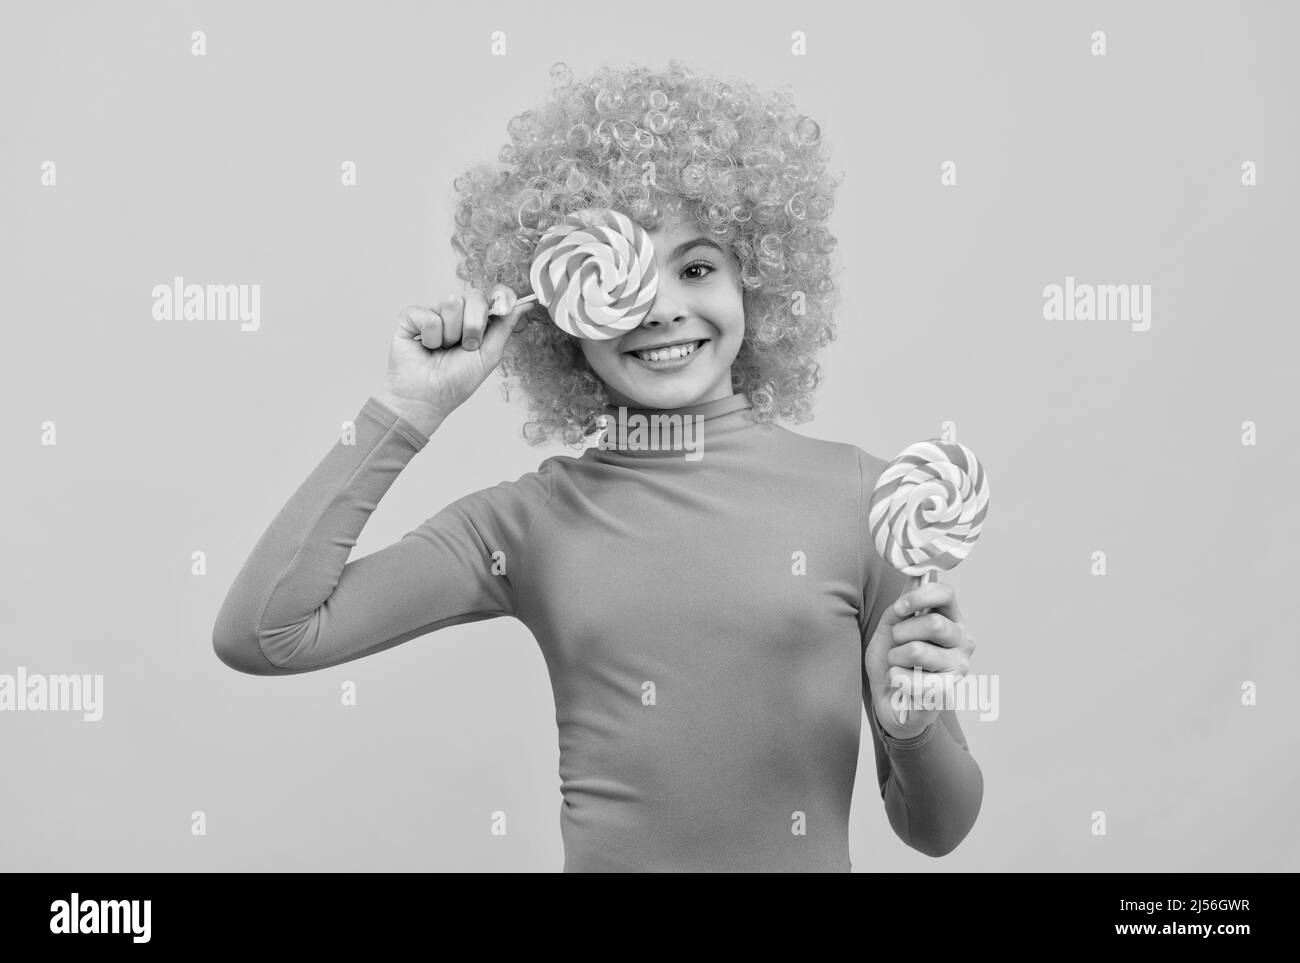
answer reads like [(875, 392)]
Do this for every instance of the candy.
[(595, 273), (928, 509)]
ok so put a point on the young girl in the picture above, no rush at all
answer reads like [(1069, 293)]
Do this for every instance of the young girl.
[(709, 694)]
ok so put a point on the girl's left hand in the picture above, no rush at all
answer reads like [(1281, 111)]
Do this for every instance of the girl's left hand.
[(937, 643)]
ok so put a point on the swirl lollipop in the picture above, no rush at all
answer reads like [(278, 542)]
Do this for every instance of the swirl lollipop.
[(928, 509), (594, 272)]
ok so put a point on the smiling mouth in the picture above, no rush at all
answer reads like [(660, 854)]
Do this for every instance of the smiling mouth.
[(674, 357)]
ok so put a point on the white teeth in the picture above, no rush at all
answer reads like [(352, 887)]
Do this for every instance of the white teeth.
[(668, 354)]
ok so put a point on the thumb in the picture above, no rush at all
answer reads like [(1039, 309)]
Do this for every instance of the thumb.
[(892, 616), (499, 329)]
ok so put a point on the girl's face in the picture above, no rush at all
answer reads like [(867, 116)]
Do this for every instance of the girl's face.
[(699, 302)]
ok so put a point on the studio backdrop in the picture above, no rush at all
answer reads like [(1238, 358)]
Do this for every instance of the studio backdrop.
[(1065, 235)]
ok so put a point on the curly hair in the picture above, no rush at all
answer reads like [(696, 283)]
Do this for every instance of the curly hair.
[(748, 169)]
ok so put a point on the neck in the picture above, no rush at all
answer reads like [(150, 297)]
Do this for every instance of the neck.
[(638, 430)]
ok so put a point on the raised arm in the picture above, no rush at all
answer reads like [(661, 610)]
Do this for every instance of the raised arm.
[(298, 604)]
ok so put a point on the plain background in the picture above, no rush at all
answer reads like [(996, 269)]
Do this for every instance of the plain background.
[(1118, 693)]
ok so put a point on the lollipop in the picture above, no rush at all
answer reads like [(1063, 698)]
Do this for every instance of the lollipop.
[(928, 509), (594, 272)]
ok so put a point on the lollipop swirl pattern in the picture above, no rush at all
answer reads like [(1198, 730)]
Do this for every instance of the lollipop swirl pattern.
[(595, 273), (928, 507)]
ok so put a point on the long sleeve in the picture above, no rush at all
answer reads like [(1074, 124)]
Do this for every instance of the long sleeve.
[(298, 604), (931, 785)]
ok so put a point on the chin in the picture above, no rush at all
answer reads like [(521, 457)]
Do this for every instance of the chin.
[(687, 391)]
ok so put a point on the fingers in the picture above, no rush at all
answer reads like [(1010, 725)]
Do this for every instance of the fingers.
[(421, 324), (931, 658), (938, 597), (502, 310), (466, 317), (932, 627), (503, 299), (452, 310), (899, 611), (474, 321), (406, 324), (504, 302), (932, 642), (464, 320), (918, 689), (501, 327)]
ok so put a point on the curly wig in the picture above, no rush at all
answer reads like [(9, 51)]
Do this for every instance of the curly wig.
[(748, 169)]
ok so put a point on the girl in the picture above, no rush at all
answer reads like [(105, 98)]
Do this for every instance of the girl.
[(709, 692)]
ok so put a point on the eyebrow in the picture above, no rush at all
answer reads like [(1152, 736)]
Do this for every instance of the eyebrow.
[(685, 246)]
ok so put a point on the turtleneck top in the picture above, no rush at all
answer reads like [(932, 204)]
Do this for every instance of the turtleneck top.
[(702, 587)]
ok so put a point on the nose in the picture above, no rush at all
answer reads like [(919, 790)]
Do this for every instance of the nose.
[(666, 311)]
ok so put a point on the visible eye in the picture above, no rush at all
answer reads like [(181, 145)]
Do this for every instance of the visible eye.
[(699, 264)]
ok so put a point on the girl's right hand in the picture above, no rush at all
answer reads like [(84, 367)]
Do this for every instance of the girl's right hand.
[(439, 356)]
